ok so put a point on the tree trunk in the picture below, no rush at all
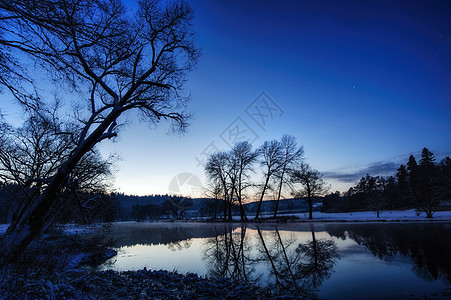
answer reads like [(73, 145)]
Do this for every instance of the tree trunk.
[(225, 209), (315, 248), (261, 198), (34, 220), (279, 192), (310, 208), (38, 216), (270, 259), (230, 211), (242, 211)]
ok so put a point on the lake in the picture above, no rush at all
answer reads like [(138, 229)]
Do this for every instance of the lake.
[(325, 260)]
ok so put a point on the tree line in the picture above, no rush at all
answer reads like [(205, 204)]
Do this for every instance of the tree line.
[(422, 185), (280, 170)]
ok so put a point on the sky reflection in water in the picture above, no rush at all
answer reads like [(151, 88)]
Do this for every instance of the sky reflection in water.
[(325, 260)]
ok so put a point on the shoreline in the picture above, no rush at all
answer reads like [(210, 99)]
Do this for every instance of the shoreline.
[(141, 284)]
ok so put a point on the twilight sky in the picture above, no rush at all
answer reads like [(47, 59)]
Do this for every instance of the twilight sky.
[(360, 84)]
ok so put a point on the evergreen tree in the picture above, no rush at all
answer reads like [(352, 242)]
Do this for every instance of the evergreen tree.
[(401, 176), (402, 187), (390, 193), (444, 170), (412, 168), (427, 161), (427, 186)]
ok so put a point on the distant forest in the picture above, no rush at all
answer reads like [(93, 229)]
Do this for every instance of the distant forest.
[(423, 185)]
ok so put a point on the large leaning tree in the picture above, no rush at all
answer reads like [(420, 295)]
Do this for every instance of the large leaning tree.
[(112, 61), (31, 154)]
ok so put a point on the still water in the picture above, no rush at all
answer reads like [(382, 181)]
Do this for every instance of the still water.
[(325, 260)]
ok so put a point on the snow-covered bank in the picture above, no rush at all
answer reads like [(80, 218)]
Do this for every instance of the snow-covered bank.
[(69, 229), (369, 216), (405, 215)]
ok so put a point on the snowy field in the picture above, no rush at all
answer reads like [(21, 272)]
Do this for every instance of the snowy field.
[(403, 215)]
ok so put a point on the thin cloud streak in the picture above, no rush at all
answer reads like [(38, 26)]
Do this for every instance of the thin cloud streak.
[(381, 168)]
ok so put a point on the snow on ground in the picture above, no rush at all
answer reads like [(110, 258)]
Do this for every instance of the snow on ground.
[(69, 229), (403, 215)]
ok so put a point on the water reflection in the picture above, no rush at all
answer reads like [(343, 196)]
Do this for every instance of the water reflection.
[(229, 254), (296, 259), (427, 245), (296, 268)]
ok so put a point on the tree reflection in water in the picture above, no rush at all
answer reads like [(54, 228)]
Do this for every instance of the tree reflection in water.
[(295, 268), (427, 245), (181, 240), (318, 258), (230, 255)]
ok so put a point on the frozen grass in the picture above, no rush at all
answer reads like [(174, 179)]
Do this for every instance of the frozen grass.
[(69, 229)]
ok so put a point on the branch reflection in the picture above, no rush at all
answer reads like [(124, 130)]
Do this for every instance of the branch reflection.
[(427, 245), (294, 268)]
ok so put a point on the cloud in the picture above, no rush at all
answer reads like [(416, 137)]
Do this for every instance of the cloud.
[(382, 168)]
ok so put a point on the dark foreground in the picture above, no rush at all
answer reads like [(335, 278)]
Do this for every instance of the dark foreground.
[(143, 284)]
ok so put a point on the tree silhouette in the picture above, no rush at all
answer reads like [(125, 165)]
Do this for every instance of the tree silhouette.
[(311, 182), (291, 157), (402, 179), (116, 61), (217, 172), (428, 184), (242, 158), (271, 158), (229, 255), (32, 154), (177, 206), (318, 258), (425, 244)]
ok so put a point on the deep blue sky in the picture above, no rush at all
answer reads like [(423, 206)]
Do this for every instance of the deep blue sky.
[(360, 84)]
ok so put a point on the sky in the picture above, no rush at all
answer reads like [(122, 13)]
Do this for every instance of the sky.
[(360, 84)]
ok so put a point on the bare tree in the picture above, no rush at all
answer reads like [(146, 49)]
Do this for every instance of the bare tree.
[(318, 257), (271, 161), (292, 155), (311, 182), (214, 190), (33, 153), (115, 60), (242, 159), (217, 172), (177, 206)]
